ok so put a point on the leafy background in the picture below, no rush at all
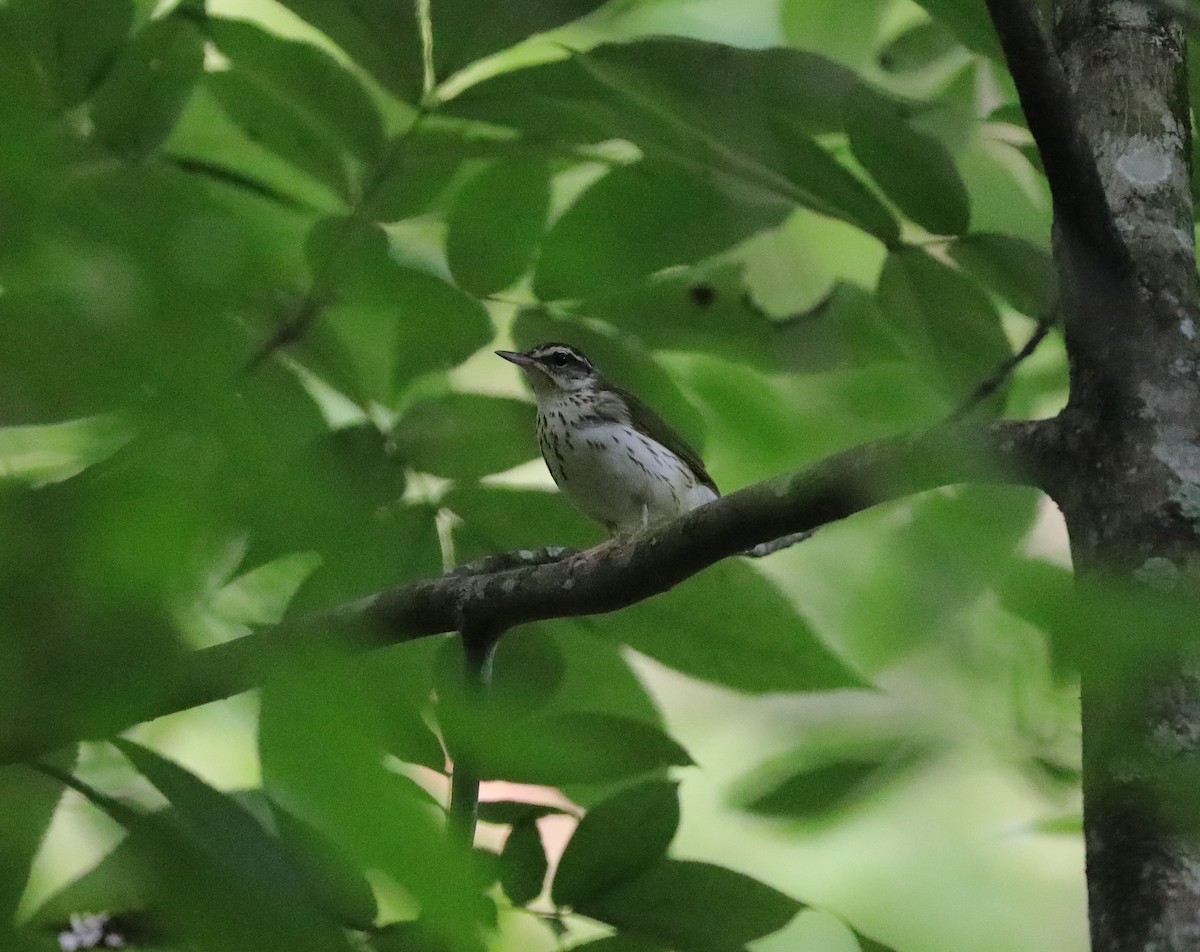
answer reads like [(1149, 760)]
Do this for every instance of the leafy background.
[(253, 266)]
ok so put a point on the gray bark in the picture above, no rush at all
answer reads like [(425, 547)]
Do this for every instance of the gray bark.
[(1132, 502)]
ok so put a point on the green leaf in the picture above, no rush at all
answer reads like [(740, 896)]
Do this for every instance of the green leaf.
[(814, 790), (573, 747), (340, 886), (912, 167), (380, 331), (735, 136), (73, 42), (261, 596), (942, 319), (696, 906), (617, 943), (267, 121), (218, 824), (639, 219), (465, 435), (146, 90), (27, 802), (461, 35), (753, 639), (380, 36), (616, 840), (830, 188), (515, 812), (970, 22), (867, 944), (207, 867), (321, 745), (495, 224), (305, 81), (1018, 270), (527, 670), (917, 48), (503, 518), (523, 864)]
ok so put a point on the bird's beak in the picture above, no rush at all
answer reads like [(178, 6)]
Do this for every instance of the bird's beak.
[(516, 357)]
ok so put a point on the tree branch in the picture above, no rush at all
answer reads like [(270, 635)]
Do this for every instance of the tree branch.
[(1080, 205), (552, 583)]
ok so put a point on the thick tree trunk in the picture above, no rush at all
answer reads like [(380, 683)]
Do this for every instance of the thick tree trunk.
[(1132, 500)]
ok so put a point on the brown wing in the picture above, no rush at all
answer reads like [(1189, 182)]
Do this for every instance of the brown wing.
[(662, 432)]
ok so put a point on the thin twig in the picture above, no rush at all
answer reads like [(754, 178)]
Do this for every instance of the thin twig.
[(1004, 371)]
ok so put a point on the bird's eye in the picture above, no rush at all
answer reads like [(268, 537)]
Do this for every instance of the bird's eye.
[(560, 360)]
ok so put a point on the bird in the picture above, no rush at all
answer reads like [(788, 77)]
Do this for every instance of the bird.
[(611, 455)]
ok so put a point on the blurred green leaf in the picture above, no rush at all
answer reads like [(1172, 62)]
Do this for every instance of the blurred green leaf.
[(388, 322), (830, 188), (753, 639), (867, 944), (568, 748), (942, 318), (528, 668), (912, 167), (461, 35), (73, 42), (465, 436), (916, 48), (523, 864), (339, 885), (1017, 270), (617, 943), (203, 882), (223, 828), (692, 905), (970, 22), (27, 802), (616, 840), (321, 744), (502, 518), (515, 812), (637, 220), (321, 94), (379, 36), (815, 790), (261, 595), (268, 122), (495, 223), (145, 92)]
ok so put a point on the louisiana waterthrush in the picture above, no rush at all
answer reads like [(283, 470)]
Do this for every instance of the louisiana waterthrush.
[(616, 459)]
